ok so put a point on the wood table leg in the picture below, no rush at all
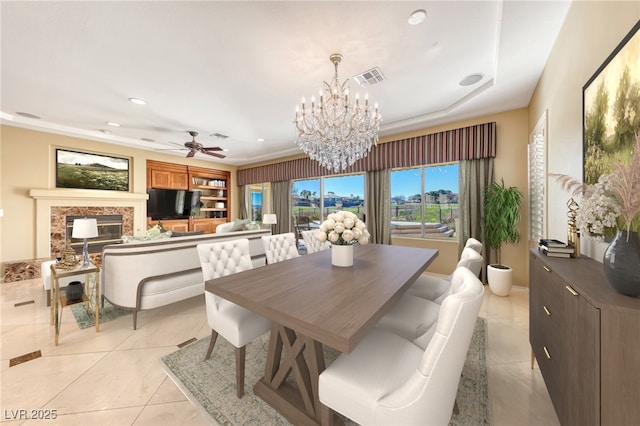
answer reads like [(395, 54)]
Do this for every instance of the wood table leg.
[(304, 359)]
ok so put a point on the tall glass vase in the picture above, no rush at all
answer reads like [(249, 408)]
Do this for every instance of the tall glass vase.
[(342, 255), (622, 263)]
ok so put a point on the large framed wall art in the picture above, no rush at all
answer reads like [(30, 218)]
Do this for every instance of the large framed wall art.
[(611, 108), (84, 170)]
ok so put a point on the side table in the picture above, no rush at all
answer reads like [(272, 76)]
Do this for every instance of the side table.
[(59, 299)]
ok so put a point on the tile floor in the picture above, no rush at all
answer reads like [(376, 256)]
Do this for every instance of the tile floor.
[(114, 377)]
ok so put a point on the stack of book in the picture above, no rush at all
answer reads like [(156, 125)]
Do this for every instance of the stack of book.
[(555, 248)]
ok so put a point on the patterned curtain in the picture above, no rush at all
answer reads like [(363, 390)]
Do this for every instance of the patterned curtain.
[(468, 143)]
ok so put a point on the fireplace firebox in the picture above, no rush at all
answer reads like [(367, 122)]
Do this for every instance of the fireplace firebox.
[(109, 232)]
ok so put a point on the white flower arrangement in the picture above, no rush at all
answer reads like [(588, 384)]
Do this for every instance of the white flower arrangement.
[(612, 203), (342, 229)]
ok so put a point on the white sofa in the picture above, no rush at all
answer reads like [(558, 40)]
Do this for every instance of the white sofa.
[(151, 274)]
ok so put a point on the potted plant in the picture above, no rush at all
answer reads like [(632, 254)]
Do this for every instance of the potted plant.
[(499, 226)]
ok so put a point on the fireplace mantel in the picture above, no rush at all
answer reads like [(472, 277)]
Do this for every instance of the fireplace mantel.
[(46, 199), (86, 194)]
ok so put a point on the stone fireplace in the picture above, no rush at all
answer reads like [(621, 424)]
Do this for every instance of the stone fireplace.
[(51, 208), (110, 231), (120, 218)]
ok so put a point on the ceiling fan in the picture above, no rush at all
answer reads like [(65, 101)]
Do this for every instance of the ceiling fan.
[(195, 147)]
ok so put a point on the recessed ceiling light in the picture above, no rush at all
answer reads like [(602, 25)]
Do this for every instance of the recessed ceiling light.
[(105, 131), (260, 140), (28, 115), (111, 123), (417, 16), (148, 139), (471, 79), (137, 101)]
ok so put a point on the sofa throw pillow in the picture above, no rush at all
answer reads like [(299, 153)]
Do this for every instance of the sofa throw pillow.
[(153, 233), (239, 224)]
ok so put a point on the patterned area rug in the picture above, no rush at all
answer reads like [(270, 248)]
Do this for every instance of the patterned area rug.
[(210, 385), (86, 318)]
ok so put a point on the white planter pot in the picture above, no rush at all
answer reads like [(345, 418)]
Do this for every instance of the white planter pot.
[(500, 278), (342, 255)]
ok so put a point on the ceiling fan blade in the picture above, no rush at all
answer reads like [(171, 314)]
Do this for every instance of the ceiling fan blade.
[(214, 154), (191, 153), (213, 148)]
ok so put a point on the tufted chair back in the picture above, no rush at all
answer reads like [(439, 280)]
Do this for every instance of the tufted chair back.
[(429, 393), (472, 260), (224, 258), (280, 247), (236, 324), (218, 260), (312, 243), (474, 244)]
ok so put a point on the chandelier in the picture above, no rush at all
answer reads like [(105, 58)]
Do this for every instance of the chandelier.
[(334, 132)]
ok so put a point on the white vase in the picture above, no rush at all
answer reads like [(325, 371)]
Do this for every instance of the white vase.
[(500, 278), (342, 255)]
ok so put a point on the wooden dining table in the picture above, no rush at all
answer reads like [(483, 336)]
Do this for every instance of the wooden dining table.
[(312, 303)]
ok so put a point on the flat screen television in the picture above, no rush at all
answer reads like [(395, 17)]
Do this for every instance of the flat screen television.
[(171, 203)]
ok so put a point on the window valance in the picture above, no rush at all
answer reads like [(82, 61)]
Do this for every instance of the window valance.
[(467, 143)]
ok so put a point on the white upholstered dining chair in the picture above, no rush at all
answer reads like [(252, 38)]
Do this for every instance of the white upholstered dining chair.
[(239, 326), (280, 247), (436, 288), (389, 380), (474, 244), (312, 243)]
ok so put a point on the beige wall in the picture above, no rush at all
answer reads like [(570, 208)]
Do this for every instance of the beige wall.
[(28, 162), (590, 33)]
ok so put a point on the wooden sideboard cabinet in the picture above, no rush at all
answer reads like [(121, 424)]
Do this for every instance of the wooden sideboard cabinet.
[(586, 339)]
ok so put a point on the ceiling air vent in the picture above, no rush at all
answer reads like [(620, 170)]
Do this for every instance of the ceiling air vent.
[(369, 77), (219, 135)]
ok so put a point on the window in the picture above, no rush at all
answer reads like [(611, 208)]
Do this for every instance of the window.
[(313, 199), (259, 196), (424, 201), (344, 193)]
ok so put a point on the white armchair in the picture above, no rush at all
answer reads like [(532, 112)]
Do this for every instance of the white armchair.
[(280, 247), (436, 289), (312, 243), (236, 324), (389, 380)]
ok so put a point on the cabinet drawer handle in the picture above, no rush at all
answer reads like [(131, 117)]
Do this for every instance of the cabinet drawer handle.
[(571, 290), (546, 311), (546, 268), (546, 352)]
